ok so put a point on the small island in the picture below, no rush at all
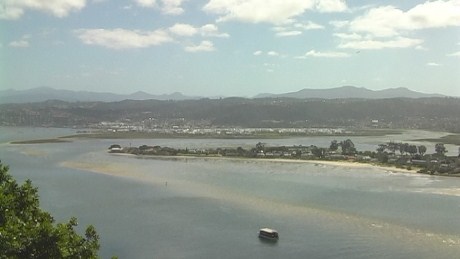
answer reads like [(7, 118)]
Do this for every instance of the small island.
[(390, 154)]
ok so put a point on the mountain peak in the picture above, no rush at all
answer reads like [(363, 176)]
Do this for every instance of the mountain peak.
[(41, 94), (349, 91)]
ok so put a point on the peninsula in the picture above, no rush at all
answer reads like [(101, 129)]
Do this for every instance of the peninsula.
[(391, 154)]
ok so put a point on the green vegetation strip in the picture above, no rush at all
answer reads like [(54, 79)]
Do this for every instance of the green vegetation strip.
[(40, 141)]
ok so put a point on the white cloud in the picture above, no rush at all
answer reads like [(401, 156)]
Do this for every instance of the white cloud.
[(14, 9), (435, 14), (207, 30), (419, 47), (309, 25), (258, 11), (455, 54), (270, 53), (388, 21), (348, 36), (288, 33), (19, 44), (211, 30), (269, 11), (339, 24), (399, 42), (330, 54), (171, 7), (330, 6), (203, 46), (146, 3), (22, 43), (433, 64), (128, 39), (378, 21), (182, 29), (294, 28), (123, 39), (386, 26)]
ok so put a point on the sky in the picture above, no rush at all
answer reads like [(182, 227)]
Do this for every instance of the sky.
[(229, 47)]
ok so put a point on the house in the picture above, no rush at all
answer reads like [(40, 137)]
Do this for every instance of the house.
[(115, 148)]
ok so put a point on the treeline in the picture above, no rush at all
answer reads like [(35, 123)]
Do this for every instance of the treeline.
[(424, 113), (401, 155)]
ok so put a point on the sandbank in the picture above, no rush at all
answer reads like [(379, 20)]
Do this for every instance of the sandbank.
[(346, 164), (125, 170)]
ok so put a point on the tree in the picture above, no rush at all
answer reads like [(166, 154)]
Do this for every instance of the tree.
[(334, 145), (382, 148), (318, 152), (440, 149), (421, 150), (392, 147), (412, 149), (240, 151), (26, 231), (260, 146), (348, 148), (403, 148)]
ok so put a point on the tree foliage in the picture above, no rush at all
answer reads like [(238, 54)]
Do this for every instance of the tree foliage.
[(318, 151), (348, 147), (421, 149), (440, 149), (334, 145), (26, 231)]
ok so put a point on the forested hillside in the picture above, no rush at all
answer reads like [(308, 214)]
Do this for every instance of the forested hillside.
[(423, 113)]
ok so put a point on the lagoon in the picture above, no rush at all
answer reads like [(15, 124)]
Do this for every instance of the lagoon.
[(213, 208)]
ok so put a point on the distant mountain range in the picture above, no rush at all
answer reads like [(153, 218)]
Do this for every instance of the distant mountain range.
[(41, 94), (345, 92), (46, 93)]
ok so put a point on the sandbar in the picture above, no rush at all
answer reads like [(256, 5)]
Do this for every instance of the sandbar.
[(347, 164)]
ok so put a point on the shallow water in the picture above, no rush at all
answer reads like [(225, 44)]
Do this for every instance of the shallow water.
[(211, 208)]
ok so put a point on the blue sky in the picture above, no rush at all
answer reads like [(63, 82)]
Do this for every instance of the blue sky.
[(229, 47)]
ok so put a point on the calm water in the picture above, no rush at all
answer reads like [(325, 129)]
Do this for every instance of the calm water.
[(213, 208)]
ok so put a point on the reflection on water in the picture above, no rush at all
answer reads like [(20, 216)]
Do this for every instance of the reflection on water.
[(268, 242), (213, 208)]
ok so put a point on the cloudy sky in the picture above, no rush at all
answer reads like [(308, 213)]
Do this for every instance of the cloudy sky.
[(229, 47)]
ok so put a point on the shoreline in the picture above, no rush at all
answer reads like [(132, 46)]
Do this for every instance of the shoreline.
[(39, 141), (257, 135), (120, 170), (347, 164)]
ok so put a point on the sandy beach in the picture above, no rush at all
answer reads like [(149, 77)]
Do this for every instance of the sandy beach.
[(347, 164), (124, 170)]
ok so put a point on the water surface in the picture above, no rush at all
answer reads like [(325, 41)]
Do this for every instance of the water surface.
[(213, 208)]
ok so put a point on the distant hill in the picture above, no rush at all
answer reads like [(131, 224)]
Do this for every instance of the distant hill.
[(436, 113), (41, 94), (351, 92)]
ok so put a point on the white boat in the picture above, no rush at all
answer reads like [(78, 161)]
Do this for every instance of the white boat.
[(269, 234)]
